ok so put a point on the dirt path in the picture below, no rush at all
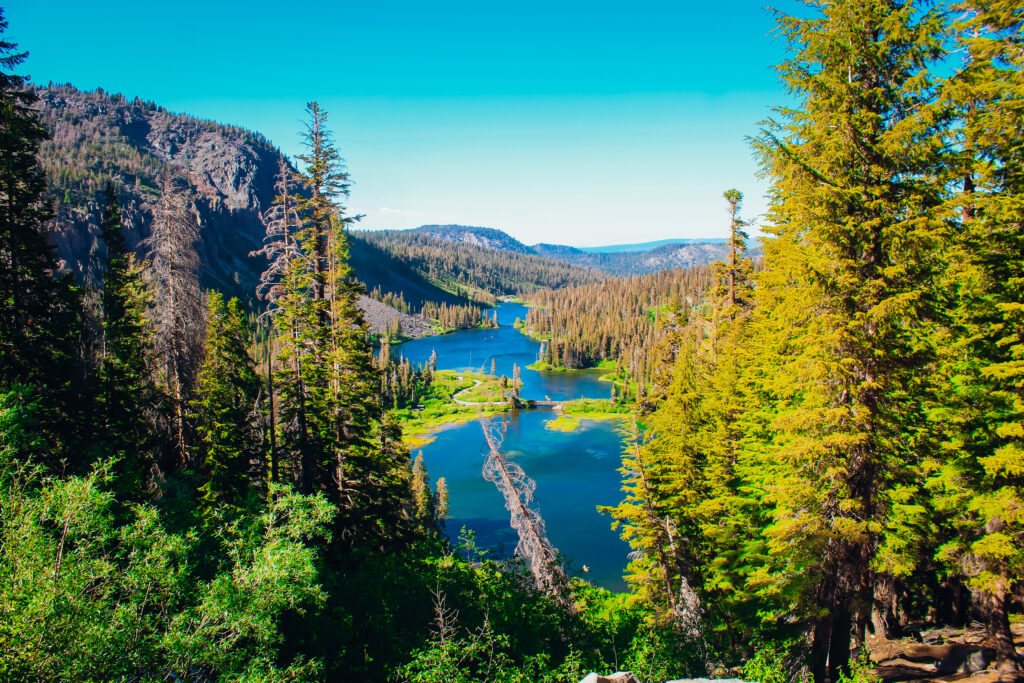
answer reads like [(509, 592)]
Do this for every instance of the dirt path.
[(473, 403)]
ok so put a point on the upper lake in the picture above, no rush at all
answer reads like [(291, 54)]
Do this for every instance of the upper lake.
[(575, 471)]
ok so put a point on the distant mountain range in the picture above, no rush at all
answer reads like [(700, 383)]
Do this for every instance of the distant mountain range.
[(648, 246), (620, 259)]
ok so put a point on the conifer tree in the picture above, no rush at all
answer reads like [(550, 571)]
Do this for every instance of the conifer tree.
[(977, 482), (736, 269), (227, 411), (441, 504), (284, 285), (127, 397), (420, 487), (39, 307), (328, 386), (177, 307), (845, 304)]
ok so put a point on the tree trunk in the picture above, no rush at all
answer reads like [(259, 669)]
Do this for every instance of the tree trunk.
[(839, 643), (999, 635), (820, 649), (274, 474)]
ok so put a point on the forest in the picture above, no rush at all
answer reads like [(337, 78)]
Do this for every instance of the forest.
[(824, 459)]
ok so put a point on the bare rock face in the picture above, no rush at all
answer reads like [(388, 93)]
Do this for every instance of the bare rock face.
[(617, 677), (380, 317), (99, 138)]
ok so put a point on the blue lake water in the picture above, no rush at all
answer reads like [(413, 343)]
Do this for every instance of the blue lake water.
[(474, 350), (575, 471)]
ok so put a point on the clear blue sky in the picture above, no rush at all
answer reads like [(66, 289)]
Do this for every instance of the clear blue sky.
[(581, 123)]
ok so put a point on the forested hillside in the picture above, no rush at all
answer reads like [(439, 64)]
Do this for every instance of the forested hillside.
[(227, 180), (98, 138), (619, 320), (475, 270), (630, 260)]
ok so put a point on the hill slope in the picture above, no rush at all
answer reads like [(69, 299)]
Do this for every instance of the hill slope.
[(100, 138)]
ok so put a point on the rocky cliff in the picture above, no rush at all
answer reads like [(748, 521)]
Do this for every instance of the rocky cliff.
[(100, 138)]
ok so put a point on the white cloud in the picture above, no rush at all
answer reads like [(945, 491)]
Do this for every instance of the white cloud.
[(397, 212)]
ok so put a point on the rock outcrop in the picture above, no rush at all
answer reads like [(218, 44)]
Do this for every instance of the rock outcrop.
[(100, 138)]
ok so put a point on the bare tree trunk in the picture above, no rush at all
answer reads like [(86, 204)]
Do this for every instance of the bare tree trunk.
[(534, 546), (1000, 637), (179, 311), (839, 643), (274, 473), (822, 633)]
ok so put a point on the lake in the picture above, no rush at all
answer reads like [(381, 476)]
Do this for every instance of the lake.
[(575, 471)]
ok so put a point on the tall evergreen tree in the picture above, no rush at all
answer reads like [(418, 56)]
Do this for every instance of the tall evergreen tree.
[(227, 411), (127, 397), (327, 380), (977, 482), (39, 307), (844, 301)]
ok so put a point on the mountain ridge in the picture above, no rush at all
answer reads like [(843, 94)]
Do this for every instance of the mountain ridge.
[(618, 260)]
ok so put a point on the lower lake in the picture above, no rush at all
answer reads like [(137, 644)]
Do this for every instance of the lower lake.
[(575, 471)]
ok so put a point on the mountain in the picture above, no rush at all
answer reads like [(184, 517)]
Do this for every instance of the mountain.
[(99, 138), (621, 259), (485, 238), (428, 259), (666, 257), (647, 246)]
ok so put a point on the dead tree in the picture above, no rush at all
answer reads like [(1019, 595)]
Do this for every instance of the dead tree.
[(279, 283), (518, 489), (179, 312)]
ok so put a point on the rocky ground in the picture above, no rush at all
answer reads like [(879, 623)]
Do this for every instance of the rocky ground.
[(941, 655), (380, 316)]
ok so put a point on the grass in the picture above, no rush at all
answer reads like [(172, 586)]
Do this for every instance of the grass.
[(544, 366), (489, 391), (562, 423), (419, 427), (594, 409)]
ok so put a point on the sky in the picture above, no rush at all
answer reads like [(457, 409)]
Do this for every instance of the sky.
[(583, 123)]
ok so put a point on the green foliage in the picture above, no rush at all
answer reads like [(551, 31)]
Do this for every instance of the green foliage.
[(481, 655), (39, 308), (771, 663), (86, 597), (227, 411)]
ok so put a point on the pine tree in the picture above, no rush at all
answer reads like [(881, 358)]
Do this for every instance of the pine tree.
[(421, 487), (127, 397), (284, 285), (227, 412), (332, 418), (736, 269), (977, 482), (39, 307), (844, 305), (441, 504)]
